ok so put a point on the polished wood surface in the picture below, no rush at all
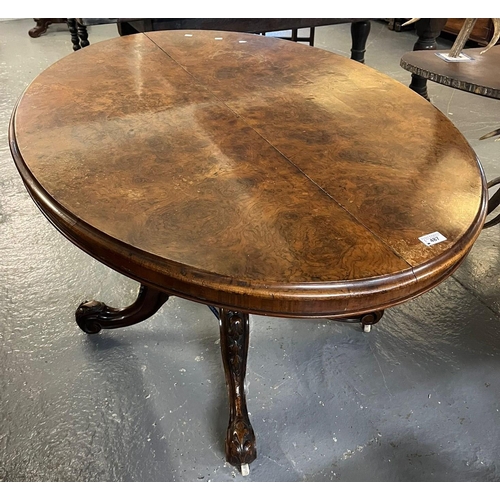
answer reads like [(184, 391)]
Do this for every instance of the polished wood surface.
[(251, 173), (480, 76)]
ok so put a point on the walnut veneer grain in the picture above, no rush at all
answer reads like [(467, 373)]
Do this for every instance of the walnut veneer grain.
[(248, 172)]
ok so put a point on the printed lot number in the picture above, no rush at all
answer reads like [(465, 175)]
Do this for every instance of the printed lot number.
[(432, 238)]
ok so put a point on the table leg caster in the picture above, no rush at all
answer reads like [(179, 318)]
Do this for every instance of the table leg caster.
[(368, 320), (245, 469)]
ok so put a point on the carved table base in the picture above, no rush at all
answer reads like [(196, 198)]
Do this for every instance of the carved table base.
[(240, 438), (92, 316)]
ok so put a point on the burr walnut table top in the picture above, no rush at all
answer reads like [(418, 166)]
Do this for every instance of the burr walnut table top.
[(249, 172)]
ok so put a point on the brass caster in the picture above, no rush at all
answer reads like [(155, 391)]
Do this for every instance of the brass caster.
[(245, 469), (367, 328)]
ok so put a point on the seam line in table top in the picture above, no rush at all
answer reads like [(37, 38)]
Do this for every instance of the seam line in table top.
[(283, 155)]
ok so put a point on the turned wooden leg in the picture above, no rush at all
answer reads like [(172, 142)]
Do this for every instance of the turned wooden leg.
[(240, 438), (359, 34), (74, 33), (82, 34), (92, 316), (427, 30)]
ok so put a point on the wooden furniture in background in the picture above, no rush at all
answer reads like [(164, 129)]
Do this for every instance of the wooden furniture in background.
[(396, 24), (78, 32), (480, 76), (481, 33), (251, 174), (427, 30), (360, 28), (42, 26)]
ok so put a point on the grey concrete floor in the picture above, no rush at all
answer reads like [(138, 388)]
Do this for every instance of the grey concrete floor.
[(417, 399)]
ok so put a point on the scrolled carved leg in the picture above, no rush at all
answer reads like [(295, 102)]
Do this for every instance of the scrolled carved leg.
[(240, 438), (92, 316)]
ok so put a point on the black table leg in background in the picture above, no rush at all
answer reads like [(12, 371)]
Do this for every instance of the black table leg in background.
[(427, 30), (359, 33)]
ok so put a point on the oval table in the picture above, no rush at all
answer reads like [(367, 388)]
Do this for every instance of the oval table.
[(251, 174)]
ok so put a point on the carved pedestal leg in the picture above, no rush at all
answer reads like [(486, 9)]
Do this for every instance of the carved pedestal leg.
[(240, 438), (92, 316), (359, 34)]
